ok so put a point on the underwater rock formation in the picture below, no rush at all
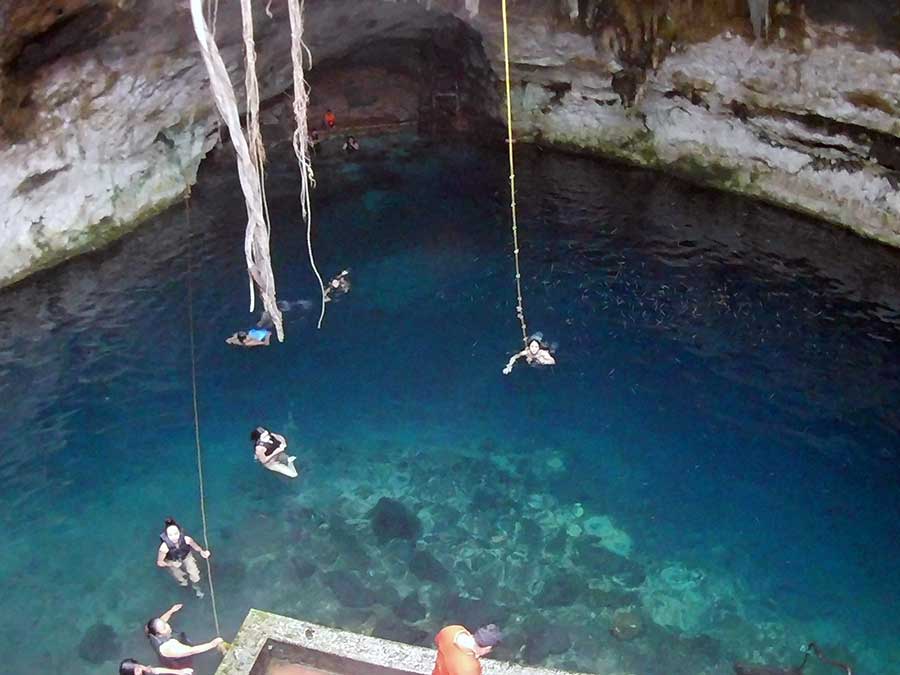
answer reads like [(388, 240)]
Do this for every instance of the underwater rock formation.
[(427, 568), (99, 644), (544, 638), (350, 590), (392, 520), (626, 625), (410, 609)]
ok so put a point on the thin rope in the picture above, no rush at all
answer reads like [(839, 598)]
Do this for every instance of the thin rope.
[(520, 308), (301, 133), (190, 279)]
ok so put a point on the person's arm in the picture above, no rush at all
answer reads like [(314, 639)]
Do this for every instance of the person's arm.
[(266, 341), (281, 439), (260, 452), (161, 556), (165, 616), (159, 670), (197, 547), (512, 361), (173, 649)]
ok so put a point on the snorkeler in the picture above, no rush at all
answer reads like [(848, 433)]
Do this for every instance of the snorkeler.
[(132, 667), (458, 651), (537, 353), (173, 652), (340, 285), (176, 554), (270, 450)]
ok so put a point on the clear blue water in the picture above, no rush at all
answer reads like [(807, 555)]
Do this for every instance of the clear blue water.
[(726, 396)]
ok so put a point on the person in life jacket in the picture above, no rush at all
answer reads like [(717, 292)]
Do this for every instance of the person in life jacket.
[(258, 336), (173, 652), (176, 554), (330, 119), (132, 667), (270, 450), (536, 353), (337, 286), (459, 651)]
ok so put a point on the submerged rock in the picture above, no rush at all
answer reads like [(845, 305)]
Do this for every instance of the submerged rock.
[(626, 625), (473, 612), (349, 589), (99, 644), (559, 591), (428, 568), (389, 628), (544, 638), (303, 568), (410, 609), (598, 560), (392, 520)]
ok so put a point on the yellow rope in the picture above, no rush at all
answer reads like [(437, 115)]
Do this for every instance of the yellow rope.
[(212, 590), (520, 309)]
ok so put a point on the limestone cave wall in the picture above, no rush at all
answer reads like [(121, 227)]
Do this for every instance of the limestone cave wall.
[(106, 114)]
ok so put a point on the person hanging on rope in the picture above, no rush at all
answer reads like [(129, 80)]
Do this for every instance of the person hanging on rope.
[(340, 285), (270, 450), (174, 652), (176, 554), (537, 353)]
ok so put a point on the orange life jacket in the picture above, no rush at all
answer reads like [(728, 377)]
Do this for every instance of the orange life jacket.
[(451, 659)]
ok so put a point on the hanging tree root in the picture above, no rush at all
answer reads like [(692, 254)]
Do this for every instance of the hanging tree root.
[(256, 240)]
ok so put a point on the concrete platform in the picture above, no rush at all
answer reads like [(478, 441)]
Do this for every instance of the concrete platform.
[(266, 639)]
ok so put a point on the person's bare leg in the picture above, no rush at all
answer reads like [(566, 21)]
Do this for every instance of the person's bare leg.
[(284, 469)]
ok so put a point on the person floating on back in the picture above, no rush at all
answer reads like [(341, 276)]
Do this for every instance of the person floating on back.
[(340, 285), (173, 652), (459, 651), (258, 336), (330, 119), (270, 450), (351, 144), (132, 667), (176, 554), (537, 353)]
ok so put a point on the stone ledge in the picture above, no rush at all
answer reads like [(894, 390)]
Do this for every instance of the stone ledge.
[(260, 629)]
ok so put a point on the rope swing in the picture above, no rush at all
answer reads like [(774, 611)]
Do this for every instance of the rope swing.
[(190, 282), (301, 133), (520, 309), (541, 353)]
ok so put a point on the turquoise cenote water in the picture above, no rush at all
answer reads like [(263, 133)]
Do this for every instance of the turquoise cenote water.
[(709, 474)]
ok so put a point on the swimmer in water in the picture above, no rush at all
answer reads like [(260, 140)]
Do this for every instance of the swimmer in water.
[(132, 667), (537, 353), (340, 285), (270, 450), (261, 333)]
